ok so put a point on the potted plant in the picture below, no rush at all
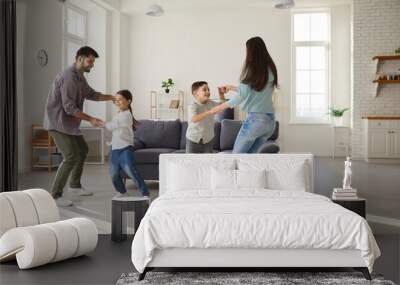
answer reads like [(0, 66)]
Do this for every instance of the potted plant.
[(337, 115), (167, 84)]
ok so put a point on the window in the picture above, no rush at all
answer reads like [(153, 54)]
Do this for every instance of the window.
[(310, 66), (75, 32)]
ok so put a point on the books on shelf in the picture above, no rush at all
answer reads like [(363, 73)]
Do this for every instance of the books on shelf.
[(344, 194)]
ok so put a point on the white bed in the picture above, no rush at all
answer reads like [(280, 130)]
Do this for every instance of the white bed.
[(215, 211)]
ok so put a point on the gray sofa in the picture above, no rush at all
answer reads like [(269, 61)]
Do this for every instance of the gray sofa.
[(153, 138)]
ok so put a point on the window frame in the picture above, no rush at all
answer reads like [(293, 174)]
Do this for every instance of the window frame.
[(68, 37), (294, 119)]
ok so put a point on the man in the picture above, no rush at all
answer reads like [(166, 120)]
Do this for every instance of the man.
[(63, 115)]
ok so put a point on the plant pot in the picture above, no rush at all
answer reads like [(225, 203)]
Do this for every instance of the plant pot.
[(338, 121), (167, 90)]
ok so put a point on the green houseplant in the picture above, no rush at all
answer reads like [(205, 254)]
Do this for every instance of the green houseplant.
[(337, 115), (167, 84)]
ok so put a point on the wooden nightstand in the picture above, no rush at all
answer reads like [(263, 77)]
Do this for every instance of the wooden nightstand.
[(358, 206)]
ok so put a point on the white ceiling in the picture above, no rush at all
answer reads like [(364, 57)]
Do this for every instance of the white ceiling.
[(137, 7)]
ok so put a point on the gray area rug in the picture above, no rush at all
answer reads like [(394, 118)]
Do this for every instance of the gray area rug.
[(244, 278)]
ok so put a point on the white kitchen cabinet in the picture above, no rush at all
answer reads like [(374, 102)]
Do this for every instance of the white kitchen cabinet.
[(381, 138)]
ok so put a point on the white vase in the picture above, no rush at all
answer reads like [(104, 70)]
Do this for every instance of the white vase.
[(338, 121)]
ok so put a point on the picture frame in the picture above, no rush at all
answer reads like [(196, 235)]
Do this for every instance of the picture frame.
[(174, 104)]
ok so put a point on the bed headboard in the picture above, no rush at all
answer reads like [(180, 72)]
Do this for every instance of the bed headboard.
[(210, 159)]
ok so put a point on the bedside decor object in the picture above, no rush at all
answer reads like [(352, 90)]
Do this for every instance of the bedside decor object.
[(347, 174), (337, 115), (167, 84), (347, 192)]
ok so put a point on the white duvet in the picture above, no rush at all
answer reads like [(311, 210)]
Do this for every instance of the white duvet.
[(253, 218)]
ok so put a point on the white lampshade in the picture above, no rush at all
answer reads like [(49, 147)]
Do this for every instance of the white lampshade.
[(285, 4), (154, 10)]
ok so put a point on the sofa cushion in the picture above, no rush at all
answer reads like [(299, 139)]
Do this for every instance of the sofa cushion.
[(159, 134), (217, 132), (269, 147), (275, 134), (229, 131), (184, 127), (150, 155)]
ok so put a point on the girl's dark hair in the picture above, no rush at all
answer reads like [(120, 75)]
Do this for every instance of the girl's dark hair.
[(258, 62), (128, 96)]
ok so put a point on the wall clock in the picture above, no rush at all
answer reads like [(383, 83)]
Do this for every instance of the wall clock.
[(42, 57)]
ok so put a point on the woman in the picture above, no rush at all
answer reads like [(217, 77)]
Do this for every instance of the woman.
[(257, 82)]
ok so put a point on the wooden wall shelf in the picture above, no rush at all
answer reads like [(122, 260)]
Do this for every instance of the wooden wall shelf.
[(386, 81), (387, 57)]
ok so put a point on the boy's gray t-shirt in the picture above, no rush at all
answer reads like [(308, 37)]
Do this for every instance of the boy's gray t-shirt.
[(203, 129)]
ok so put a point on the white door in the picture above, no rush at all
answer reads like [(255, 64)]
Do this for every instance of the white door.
[(396, 144), (379, 143)]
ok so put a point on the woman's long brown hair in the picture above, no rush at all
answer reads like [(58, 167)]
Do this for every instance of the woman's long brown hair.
[(258, 62), (128, 96)]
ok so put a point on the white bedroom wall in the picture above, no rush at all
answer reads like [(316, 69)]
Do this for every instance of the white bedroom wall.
[(210, 45), (376, 31)]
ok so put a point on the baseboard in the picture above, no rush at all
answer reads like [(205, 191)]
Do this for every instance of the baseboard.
[(384, 220)]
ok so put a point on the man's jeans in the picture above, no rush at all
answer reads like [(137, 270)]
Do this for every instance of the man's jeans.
[(255, 131), (74, 150), (123, 160)]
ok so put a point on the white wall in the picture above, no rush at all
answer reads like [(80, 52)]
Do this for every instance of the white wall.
[(210, 45), (376, 31), (39, 25)]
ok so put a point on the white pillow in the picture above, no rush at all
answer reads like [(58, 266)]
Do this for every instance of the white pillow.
[(251, 178), (287, 174), (237, 179), (292, 179), (188, 175), (223, 179)]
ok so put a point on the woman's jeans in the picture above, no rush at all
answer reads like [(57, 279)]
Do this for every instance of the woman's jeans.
[(122, 160), (255, 131)]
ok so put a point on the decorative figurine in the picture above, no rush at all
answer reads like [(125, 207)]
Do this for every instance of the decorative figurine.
[(347, 174)]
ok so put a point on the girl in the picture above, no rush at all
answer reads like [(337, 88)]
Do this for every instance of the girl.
[(257, 82), (122, 127)]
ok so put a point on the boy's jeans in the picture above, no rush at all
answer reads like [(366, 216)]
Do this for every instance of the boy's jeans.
[(123, 160), (255, 131)]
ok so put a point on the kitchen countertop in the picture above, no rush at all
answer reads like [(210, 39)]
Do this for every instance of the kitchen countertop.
[(381, 117)]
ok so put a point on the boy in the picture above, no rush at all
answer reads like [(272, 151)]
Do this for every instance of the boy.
[(200, 132)]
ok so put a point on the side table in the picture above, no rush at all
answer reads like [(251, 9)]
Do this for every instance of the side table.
[(139, 205), (357, 206)]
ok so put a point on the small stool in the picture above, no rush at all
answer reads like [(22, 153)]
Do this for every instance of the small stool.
[(139, 205)]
